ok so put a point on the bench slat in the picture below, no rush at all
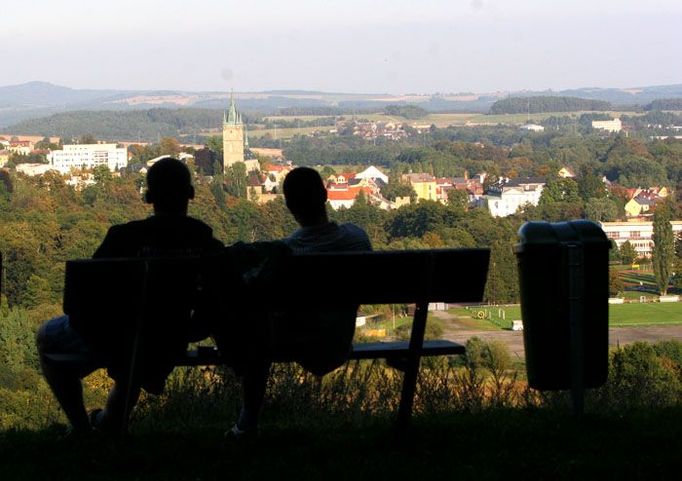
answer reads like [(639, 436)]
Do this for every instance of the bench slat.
[(370, 350)]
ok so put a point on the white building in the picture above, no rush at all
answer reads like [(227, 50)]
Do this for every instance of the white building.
[(637, 233), (33, 170), (508, 198), (614, 125), (88, 156), (373, 173), (532, 127)]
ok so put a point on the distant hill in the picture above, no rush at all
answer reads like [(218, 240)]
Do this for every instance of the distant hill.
[(534, 105), (141, 125), (665, 104), (43, 94), (41, 99)]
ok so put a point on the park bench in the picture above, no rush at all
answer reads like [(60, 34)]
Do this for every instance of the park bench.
[(131, 289)]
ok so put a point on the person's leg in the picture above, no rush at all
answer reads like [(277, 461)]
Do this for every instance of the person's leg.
[(119, 406), (254, 382), (65, 360), (66, 387)]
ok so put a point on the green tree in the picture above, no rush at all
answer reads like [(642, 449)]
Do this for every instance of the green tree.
[(458, 198), (560, 190), (38, 292), (215, 143), (601, 210), (235, 180), (503, 282), (87, 139), (616, 285), (677, 279), (663, 254), (628, 254), (169, 146), (590, 186)]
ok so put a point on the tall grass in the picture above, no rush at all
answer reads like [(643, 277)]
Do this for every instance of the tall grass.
[(640, 376)]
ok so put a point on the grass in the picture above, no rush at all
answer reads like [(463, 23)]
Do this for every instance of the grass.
[(446, 119), (487, 317), (509, 444), (470, 423), (645, 314), (287, 133), (389, 324), (620, 315)]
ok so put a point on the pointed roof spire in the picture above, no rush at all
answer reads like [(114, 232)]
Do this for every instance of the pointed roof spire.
[(246, 138), (231, 116)]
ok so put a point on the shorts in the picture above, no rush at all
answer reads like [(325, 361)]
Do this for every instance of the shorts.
[(60, 345)]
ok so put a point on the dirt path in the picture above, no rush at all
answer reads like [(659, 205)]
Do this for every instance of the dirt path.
[(456, 330)]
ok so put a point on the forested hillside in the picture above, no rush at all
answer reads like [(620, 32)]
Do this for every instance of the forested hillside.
[(141, 125), (665, 104), (533, 105)]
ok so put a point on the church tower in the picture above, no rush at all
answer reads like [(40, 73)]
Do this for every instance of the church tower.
[(233, 136)]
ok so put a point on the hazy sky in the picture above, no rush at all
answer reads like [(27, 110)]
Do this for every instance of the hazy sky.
[(394, 46)]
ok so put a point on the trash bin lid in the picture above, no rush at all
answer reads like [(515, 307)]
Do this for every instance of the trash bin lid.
[(545, 234)]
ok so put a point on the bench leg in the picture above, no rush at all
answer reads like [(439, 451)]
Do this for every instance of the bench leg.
[(412, 366)]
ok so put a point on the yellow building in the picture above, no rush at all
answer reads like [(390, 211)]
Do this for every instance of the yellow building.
[(423, 184)]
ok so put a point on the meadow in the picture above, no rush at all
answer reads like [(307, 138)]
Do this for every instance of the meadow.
[(442, 120), (620, 315)]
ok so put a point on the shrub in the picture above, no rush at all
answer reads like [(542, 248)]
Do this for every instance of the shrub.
[(640, 377)]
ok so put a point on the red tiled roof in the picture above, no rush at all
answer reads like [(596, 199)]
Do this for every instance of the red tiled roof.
[(348, 194), (341, 195), (276, 168)]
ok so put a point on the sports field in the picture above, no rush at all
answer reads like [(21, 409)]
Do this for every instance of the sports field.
[(620, 315)]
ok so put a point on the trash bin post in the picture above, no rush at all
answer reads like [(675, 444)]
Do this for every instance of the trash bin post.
[(576, 311)]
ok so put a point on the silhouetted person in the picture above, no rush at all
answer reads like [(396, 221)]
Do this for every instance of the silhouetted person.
[(320, 339), (67, 354)]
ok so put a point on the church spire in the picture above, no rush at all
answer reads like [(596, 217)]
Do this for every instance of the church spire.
[(231, 116)]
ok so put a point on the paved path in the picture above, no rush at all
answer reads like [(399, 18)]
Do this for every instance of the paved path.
[(454, 331)]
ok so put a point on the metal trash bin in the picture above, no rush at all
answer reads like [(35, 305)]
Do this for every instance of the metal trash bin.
[(564, 280)]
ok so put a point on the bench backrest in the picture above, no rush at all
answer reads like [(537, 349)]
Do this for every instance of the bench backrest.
[(115, 286), (385, 277), (121, 290)]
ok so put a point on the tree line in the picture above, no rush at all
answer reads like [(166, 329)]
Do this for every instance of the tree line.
[(540, 104)]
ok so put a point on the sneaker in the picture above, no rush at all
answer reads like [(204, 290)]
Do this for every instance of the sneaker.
[(238, 434), (95, 418), (98, 425)]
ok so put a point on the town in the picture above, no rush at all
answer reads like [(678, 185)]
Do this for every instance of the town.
[(624, 211)]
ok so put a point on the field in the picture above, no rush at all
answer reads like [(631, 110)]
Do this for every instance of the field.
[(645, 314), (620, 315), (287, 133), (442, 119)]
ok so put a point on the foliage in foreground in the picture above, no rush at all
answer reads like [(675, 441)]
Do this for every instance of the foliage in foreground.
[(641, 376)]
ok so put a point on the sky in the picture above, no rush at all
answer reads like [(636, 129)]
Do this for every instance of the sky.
[(357, 46)]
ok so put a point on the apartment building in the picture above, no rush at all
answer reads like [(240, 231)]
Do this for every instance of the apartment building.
[(88, 156), (637, 233)]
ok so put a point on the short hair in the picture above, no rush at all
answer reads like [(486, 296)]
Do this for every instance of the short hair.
[(169, 183), (304, 192)]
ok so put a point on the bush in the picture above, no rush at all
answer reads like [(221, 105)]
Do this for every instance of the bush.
[(434, 330), (640, 377)]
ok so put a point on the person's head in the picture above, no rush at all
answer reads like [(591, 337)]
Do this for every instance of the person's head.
[(305, 196), (169, 187)]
